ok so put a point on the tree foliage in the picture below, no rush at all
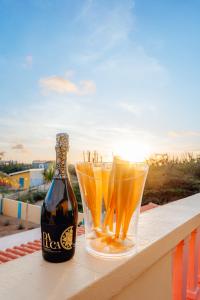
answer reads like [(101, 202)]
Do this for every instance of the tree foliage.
[(14, 167)]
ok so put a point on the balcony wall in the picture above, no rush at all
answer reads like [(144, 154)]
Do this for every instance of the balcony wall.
[(24, 211), (166, 265)]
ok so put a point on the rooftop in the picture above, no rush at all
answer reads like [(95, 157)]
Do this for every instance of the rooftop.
[(41, 161), (26, 171)]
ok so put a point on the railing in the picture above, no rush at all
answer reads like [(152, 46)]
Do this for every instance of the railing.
[(186, 272), (165, 267), (20, 210), (175, 273)]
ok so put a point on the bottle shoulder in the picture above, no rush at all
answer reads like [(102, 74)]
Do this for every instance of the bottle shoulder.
[(60, 192)]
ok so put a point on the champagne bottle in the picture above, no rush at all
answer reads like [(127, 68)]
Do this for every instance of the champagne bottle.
[(59, 210)]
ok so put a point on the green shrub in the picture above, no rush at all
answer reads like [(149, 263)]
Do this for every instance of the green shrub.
[(39, 195), (33, 197), (78, 196), (14, 167), (171, 180)]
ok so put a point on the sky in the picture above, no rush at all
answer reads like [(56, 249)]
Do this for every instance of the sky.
[(112, 74)]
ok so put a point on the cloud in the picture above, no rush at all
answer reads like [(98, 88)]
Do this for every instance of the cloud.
[(61, 85), (132, 108), (111, 26), (183, 133), (108, 46), (28, 62), (136, 108), (87, 87), (85, 9), (130, 81), (58, 84), (18, 147), (69, 73)]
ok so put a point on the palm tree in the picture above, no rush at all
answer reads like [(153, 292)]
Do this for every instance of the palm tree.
[(49, 173)]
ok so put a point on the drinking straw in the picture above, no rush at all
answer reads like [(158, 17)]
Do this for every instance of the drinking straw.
[(84, 156), (118, 200), (113, 200), (86, 176), (131, 204), (98, 194), (105, 184), (88, 153), (133, 198), (90, 188), (108, 222), (122, 186), (91, 183), (110, 207)]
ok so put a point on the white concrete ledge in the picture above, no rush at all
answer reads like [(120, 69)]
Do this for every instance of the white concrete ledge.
[(87, 277)]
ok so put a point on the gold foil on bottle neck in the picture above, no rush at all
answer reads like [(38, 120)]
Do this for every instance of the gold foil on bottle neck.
[(62, 147), (62, 140)]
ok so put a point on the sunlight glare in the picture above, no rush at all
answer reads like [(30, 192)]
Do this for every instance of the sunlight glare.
[(132, 151)]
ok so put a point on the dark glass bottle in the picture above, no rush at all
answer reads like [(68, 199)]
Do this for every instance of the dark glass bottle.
[(60, 210)]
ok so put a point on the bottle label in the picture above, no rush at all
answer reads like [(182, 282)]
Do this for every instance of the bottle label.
[(57, 238)]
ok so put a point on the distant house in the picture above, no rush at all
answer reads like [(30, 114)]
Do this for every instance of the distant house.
[(41, 164), (27, 178)]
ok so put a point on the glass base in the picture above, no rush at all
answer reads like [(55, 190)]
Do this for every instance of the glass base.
[(111, 249)]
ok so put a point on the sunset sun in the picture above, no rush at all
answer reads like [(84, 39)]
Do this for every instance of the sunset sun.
[(132, 151)]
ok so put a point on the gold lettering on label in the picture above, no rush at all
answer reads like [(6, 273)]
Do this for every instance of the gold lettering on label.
[(46, 239), (48, 243), (53, 245)]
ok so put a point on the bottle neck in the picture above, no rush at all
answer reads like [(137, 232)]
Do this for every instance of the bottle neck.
[(61, 170)]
